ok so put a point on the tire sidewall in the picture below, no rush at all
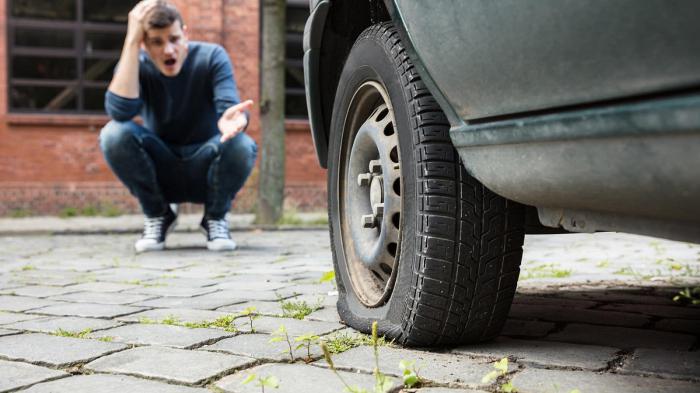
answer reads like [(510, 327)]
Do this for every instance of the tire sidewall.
[(371, 60)]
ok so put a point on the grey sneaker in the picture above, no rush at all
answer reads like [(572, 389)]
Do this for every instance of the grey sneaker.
[(155, 229), (218, 236)]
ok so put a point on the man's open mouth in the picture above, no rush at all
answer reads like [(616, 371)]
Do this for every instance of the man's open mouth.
[(170, 62)]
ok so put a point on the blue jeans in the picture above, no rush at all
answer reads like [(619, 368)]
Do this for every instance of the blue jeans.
[(157, 173)]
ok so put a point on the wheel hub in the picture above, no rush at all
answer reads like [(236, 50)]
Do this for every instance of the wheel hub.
[(371, 201)]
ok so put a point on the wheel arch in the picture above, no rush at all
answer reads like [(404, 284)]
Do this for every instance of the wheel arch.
[(330, 33)]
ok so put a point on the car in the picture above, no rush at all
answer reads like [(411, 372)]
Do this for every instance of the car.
[(451, 129)]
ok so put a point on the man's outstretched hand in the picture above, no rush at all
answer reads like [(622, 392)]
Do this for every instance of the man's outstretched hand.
[(234, 120)]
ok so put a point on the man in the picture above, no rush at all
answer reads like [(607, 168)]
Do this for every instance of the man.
[(191, 147)]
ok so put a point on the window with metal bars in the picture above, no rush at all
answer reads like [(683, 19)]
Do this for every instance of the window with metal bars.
[(61, 53), (295, 100)]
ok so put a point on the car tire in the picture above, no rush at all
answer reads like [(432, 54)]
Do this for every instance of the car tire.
[(438, 262)]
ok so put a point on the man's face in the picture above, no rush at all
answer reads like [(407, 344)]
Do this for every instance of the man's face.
[(167, 47)]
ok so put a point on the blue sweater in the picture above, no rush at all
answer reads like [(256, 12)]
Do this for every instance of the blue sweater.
[(184, 109)]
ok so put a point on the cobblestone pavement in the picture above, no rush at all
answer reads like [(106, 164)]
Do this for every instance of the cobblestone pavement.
[(84, 314)]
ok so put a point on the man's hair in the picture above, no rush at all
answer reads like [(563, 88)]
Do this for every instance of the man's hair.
[(163, 15)]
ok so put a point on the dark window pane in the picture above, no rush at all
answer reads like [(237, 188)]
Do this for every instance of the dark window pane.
[(99, 69), (44, 9), (295, 107), (294, 77), (95, 99), (103, 41), (296, 19), (42, 98), (107, 11), (31, 67), (294, 47), (32, 37)]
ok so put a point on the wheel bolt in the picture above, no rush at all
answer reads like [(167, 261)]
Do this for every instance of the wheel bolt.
[(364, 179), (368, 221), (375, 167), (378, 209)]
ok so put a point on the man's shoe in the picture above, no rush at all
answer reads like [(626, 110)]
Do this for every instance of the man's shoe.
[(218, 236), (155, 229)]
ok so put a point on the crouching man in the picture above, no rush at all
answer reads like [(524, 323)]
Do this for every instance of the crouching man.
[(191, 147)]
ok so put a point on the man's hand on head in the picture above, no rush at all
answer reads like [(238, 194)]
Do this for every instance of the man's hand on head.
[(234, 120), (136, 27)]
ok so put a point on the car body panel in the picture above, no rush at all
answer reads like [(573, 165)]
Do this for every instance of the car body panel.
[(494, 58)]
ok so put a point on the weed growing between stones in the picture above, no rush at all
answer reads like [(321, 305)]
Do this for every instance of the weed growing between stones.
[(409, 373), (297, 309), (688, 296), (499, 373), (145, 284), (305, 341), (383, 383), (67, 333), (341, 342), (249, 312), (280, 335), (270, 381), (225, 322)]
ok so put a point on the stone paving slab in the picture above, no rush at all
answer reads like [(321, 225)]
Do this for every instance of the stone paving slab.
[(625, 338), (204, 302), (295, 327), (326, 314), (88, 310), (16, 375), (40, 291), (687, 312), (261, 307), (177, 281), (171, 291), (544, 353), (267, 296), (116, 298), (163, 335), (53, 351), (177, 365), (255, 285), (442, 368), (69, 324), (321, 300), (23, 303), (105, 383), (568, 314), (51, 278), (260, 347), (548, 381), (101, 287), (528, 329), (8, 318), (126, 274), (6, 332), (670, 364), (295, 378), (181, 314)]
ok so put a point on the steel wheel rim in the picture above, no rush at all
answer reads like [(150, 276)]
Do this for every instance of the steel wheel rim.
[(370, 195)]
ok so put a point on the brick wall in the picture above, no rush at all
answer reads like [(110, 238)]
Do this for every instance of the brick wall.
[(52, 162)]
